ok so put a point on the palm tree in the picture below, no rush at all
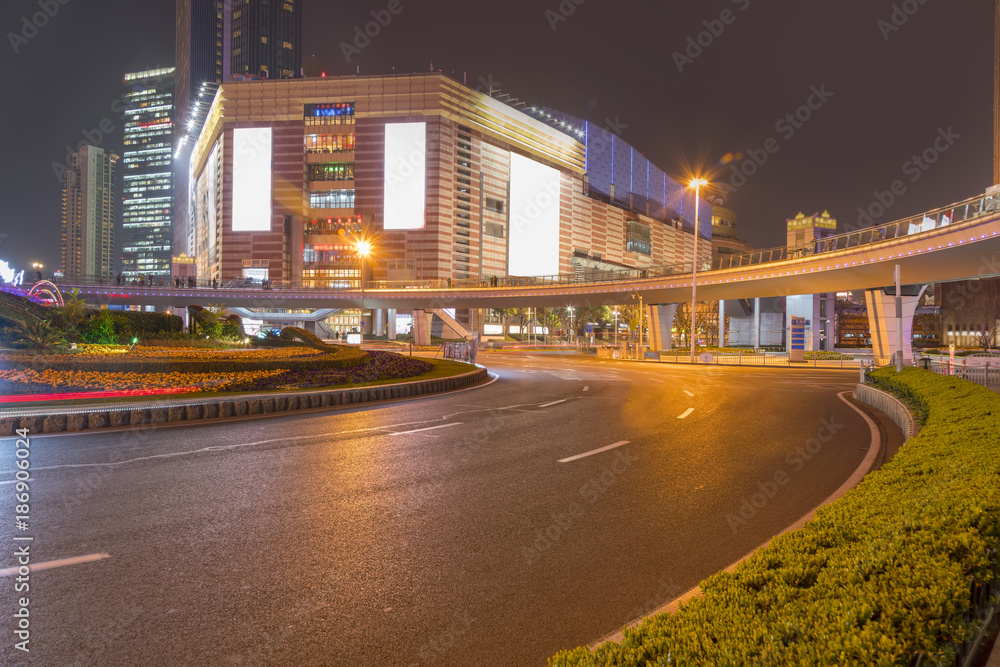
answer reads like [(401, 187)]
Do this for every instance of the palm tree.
[(74, 311), (38, 336)]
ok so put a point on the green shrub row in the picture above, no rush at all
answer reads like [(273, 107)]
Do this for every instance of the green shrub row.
[(14, 309), (877, 577), (112, 327), (307, 337)]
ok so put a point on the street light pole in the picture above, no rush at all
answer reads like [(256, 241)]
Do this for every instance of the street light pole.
[(697, 183)]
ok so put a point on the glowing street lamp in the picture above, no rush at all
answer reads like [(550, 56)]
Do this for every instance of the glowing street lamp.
[(697, 185)]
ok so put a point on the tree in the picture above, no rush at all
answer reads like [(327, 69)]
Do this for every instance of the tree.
[(505, 315), (73, 313), (591, 315)]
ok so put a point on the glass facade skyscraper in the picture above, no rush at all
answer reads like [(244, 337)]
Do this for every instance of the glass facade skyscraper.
[(267, 39), (148, 195)]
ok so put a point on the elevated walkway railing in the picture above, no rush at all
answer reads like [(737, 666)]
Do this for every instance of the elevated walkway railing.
[(940, 218)]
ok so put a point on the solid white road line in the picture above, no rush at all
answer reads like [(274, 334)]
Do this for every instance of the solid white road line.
[(549, 405), (689, 393), (37, 567), (596, 451), (15, 481), (429, 428), (686, 414)]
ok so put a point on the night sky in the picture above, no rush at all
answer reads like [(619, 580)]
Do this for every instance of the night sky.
[(893, 89)]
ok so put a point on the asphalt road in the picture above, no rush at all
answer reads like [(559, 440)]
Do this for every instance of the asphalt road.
[(437, 531)]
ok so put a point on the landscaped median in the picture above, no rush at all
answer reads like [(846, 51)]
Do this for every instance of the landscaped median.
[(443, 376), (881, 575)]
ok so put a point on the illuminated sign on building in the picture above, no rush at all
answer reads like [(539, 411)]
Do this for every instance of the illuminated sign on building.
[(405, 175), (9, 275), (252, 179), (322, 110), (534, 225)]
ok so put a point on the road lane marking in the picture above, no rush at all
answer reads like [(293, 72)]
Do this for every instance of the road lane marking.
[(686, 414), (596, 451), (689, 393), (48, 565), (587, 388), (14, 481), (429, 428), (549, 405)]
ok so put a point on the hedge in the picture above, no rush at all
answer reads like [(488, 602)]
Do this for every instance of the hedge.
[(14, 309), (119, 326), (878, 576)]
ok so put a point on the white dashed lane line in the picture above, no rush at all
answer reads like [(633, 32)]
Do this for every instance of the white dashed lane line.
[(595, 451)]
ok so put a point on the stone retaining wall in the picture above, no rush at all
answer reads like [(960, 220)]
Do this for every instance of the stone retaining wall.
[(233, 407), (890, 405)]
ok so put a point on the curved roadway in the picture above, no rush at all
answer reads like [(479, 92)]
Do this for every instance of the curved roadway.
[(439, 531)]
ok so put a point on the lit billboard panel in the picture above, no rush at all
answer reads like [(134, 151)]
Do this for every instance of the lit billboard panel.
[(534, 218), (405, 175), (252, 179)]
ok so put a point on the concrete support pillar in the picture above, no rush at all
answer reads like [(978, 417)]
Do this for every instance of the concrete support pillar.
[(661, 324), (756, 324), (722, 323), (882, 320), (391, 325), (422, 320), (378, 322)]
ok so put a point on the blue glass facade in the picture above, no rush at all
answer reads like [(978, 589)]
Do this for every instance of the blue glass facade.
[(618, 173)]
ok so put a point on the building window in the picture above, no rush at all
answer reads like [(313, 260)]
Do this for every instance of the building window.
[(638, 238), (332, 199), (495, 205), (331, 172), (494, 229), (329, 143)]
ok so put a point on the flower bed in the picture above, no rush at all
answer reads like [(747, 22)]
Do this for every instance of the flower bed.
[(141, 359), (882, 574), (380, 366)]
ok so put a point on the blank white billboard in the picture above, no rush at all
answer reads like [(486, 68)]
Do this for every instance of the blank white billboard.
[(534, 218), (405, 175), (252, 179)]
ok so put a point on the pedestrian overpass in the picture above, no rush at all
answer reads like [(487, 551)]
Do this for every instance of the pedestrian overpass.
[(956, 242)]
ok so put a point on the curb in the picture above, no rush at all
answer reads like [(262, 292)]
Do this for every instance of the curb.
[(672, 607), (167, 412)]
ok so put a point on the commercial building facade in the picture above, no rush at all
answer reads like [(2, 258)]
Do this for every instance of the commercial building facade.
[(148, 162), (88, 215), (447, 182)]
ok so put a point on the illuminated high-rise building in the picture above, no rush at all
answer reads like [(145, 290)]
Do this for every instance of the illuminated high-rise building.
[(217, 40), (88, 215), (148, 196), (266, 39)]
